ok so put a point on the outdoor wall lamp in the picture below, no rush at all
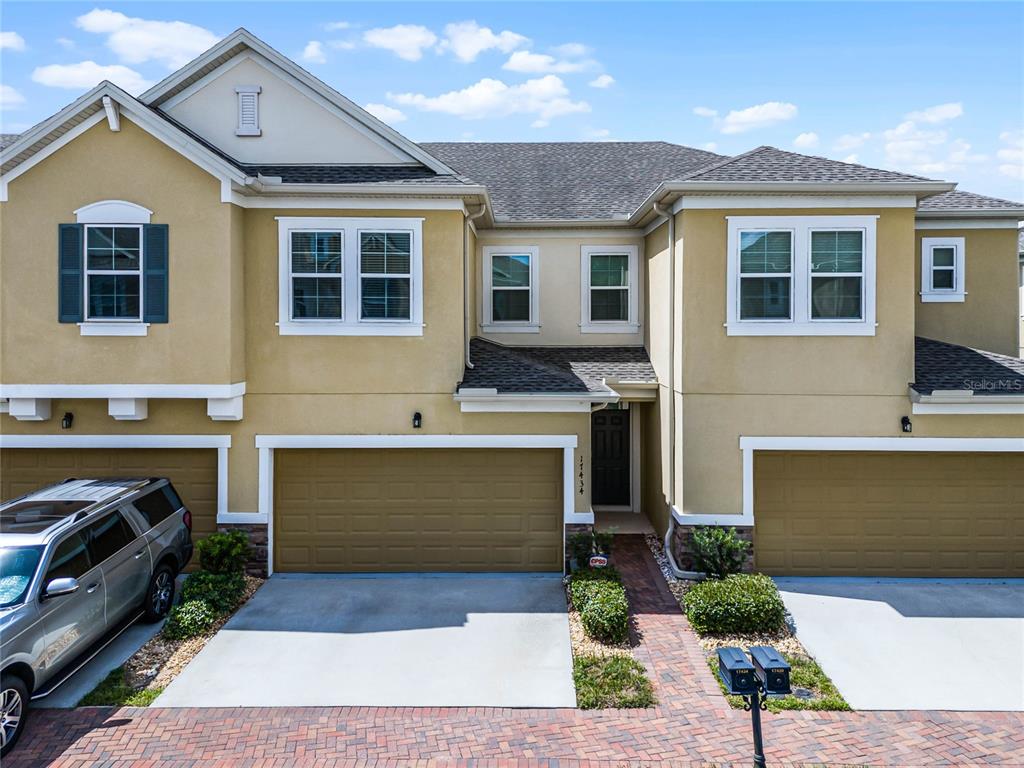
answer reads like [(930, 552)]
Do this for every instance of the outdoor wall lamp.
[(67, 420), (906, 425), (417, 420), (769, 674)]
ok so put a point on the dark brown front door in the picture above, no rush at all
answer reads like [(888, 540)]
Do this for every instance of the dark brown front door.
[(610, 457)]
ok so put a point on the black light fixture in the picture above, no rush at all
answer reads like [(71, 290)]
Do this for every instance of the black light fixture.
[(906, 425), (417, 420), (67, 420)]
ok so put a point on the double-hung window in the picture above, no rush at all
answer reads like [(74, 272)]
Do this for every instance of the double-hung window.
[(609, 289), (350, 277), (511, 292), (942, 269), (113, 273), (801, 276)]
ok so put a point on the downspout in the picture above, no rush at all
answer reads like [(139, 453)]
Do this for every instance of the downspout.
[(667, 213), (466, 333)]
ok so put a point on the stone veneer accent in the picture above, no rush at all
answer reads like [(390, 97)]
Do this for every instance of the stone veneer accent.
[(258, 541), (683, 552)]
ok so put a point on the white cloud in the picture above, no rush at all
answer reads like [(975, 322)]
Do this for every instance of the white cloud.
[(541, 63), (759, 116), (10, 98), (940, 113), (406, 41), (928, 150), (597, 134), (850, 141), (850, 158), (467, 40), (335, 26), (66, 43), (710, 146), (314, 52), (1011, 154), (11, 41), (342, 45), (602, 81), (571, 50), (545, 97), (87, 74), (135, 40), (385, 113), (806, 140), (705, 112)]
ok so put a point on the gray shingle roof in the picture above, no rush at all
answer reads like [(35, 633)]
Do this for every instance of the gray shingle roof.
[(940, 365), (768, 164), (958, 199), (521, 370), (352, 174), (569, 180), (6, 139)]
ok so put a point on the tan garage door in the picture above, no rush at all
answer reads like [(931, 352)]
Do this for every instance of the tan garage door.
[(417, 510), (889, 514), (192, 470)]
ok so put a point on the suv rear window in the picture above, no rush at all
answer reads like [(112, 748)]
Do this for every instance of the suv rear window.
[(108, 537), (156, 506)]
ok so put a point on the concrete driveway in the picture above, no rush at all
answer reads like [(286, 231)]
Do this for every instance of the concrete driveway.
[(915, 643), (408, 640)]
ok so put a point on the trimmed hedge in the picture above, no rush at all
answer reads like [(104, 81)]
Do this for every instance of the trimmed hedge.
[(739, 604), (221, 591), (605, 614), (189, 619), (583, 582), (223, 552)]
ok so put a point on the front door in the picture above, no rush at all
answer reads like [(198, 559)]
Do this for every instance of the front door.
[(610, 458)]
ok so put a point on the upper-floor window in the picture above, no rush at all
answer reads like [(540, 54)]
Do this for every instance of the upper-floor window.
[(942, 269), (248, 110), (342, 276), (113, 273), (801, 276), (511, 291), (609, 289)]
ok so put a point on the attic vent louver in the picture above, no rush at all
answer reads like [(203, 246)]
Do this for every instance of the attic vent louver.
[(248, 110)]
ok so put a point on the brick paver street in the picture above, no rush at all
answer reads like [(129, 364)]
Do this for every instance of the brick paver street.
[(692, 725)]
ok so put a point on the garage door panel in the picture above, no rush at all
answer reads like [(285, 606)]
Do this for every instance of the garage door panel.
[(889, 514)]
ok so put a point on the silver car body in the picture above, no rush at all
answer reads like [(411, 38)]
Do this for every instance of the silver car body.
[(41, 636)]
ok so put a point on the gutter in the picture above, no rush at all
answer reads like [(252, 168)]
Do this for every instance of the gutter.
[(965, 402), (971, 213), (466, 334)]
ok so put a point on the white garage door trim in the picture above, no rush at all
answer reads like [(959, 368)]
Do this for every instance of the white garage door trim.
[(220, 442), (267, 443)]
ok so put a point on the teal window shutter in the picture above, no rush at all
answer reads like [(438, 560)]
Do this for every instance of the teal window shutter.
[(70, 289), (155, 263)]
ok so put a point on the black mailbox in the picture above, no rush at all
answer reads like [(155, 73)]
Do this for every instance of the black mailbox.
[(771, 668), (737, 673)]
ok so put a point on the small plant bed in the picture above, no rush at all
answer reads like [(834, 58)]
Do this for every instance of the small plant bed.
[(744, 610), (604, 671), (209, 597)]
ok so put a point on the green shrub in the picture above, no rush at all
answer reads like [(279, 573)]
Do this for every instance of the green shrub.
[(739, 604), (581, 584), (611, 681), (221, 591), (224, 552), (190, 619), (718, 552), (605, 612)]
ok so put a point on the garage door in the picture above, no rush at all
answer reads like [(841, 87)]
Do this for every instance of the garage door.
[(193, 472), (417, 510), (889, 514)]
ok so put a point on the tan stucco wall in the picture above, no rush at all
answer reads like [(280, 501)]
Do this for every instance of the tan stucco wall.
[(295, 128), (195, 346), (989, 316), (560, 312)]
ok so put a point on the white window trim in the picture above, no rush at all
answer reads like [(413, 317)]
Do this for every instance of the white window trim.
[(958, 292), (113, 213), (632, 323), (489, 325), (339, 276), (801, 323), (372, 275), (350, 324), (113, 326), (241, 92)]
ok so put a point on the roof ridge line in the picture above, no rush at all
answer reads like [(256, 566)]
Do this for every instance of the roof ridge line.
[(721, 163)]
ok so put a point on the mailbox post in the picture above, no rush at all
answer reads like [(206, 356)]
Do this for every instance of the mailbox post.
[(769, 673)]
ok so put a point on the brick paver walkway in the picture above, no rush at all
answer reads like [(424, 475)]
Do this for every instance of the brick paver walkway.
[(690, 726)]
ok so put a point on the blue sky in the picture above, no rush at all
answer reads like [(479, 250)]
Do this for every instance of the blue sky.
[(929, 88)]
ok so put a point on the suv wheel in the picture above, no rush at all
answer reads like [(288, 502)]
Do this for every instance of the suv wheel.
[(160, 595), (13, 710)]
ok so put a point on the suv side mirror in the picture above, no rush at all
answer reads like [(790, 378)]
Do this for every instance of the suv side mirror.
[(59, 587)]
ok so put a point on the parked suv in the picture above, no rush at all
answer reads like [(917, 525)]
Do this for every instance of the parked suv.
[(79, 562)]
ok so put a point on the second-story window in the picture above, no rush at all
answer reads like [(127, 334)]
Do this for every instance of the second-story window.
[(385, 264), (609, 286), (837, 275), (113, 273), (511, 289), (766, 275), (942, 269), (316, 275)]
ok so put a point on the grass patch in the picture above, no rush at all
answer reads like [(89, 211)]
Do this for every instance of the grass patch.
[(113, 691), (611, 682), (804, 673)]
